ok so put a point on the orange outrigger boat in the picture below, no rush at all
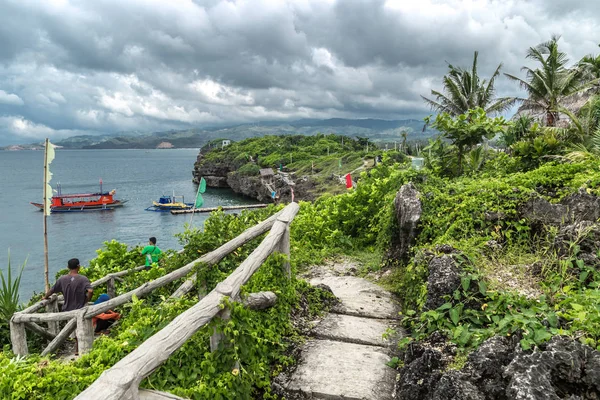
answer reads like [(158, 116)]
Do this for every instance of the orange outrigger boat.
[(101, 201)]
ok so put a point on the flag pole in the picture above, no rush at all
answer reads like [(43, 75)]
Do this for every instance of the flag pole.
[(45, 223), (194, 208)]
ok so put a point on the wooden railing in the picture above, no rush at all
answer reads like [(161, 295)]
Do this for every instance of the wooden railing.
[(123, 379), (81, 320)]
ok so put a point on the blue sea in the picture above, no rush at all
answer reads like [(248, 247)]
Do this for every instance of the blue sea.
[(139, 176)]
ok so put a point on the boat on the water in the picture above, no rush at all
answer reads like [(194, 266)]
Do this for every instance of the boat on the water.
[(168, 203), (80, 202)]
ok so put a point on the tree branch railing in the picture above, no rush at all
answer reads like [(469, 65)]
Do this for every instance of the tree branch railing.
[(85, 334), (121, 382)]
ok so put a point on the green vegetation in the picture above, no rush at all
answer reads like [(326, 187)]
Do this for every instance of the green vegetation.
[(9, 298)]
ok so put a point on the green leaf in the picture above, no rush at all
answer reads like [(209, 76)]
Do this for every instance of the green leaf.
[(526, 344), (455, 315), (482, 288), (465, 281), (553, 320), (444, 306), (541, 335)]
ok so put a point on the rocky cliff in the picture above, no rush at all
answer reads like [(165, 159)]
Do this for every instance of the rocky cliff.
[(225, 174)]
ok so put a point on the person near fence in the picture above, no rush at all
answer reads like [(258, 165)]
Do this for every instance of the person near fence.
[(102, 322), (76, 289), (152, 252)]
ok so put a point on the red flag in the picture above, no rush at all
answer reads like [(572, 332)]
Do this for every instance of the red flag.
[(348, 181)]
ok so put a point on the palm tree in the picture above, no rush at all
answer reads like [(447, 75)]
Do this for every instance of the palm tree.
[(590, 67), (583, 133), (464, 90), (551, 83)]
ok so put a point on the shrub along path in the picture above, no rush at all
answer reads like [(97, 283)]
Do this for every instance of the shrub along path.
[(346, 358)]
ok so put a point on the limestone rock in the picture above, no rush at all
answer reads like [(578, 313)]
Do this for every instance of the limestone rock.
[(577, 207), (443, 280), (564, 368), (452, 385), (408, 215)]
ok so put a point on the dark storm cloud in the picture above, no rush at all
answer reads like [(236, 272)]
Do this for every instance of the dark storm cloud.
[(69, 67)]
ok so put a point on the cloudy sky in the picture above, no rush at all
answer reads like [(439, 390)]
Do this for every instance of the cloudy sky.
[(88, 67)]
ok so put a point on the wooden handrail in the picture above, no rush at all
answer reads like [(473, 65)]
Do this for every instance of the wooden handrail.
[(29, 315), (121, 382)]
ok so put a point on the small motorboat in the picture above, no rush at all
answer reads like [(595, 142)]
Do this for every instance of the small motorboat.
[(79, 202), (168, 203)]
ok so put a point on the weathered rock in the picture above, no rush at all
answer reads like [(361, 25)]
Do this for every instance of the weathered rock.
[(500, 370), (420, 377), (215, 174), (564, 369), (453, 385), (583, 206), (250, 186), (215, 181), (443, 280), (484, 366), (586, 234), (408, 215), (539, 210), (577, 207)]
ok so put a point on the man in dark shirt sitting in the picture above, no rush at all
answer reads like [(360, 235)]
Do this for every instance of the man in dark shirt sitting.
[(76, 289)]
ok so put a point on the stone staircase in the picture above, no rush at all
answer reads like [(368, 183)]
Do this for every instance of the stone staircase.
[(347, 356)]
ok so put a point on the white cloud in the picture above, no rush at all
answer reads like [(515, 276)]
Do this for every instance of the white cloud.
[(21, 127), (10, 99)]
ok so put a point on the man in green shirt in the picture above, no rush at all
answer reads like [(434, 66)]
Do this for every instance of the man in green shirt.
[(151, 252)]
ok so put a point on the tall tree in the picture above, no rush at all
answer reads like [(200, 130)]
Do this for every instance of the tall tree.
[(550, 83), (590, 66), (464, 91)]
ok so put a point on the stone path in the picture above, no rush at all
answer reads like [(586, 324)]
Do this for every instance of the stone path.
[(346, 358)]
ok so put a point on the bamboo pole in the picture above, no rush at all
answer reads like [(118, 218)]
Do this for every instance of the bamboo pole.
[(121, 382), (45, 223)]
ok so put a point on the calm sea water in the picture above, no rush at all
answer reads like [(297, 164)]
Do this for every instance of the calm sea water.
[(139, 176)]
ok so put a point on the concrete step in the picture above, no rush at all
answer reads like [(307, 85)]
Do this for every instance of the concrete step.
[(336, 370), (360, 297), (359, 330)]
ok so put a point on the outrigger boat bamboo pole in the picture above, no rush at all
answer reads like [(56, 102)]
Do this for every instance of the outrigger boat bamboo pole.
[(211, 209), (45, 223)]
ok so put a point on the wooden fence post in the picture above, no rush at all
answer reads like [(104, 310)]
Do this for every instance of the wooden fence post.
[(284, 248), (110, 287), (18, 337), (61, 337), (85, 333), (52, 307), (225, 314)]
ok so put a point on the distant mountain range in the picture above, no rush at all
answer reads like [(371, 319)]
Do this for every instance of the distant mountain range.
[(383, 131)]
